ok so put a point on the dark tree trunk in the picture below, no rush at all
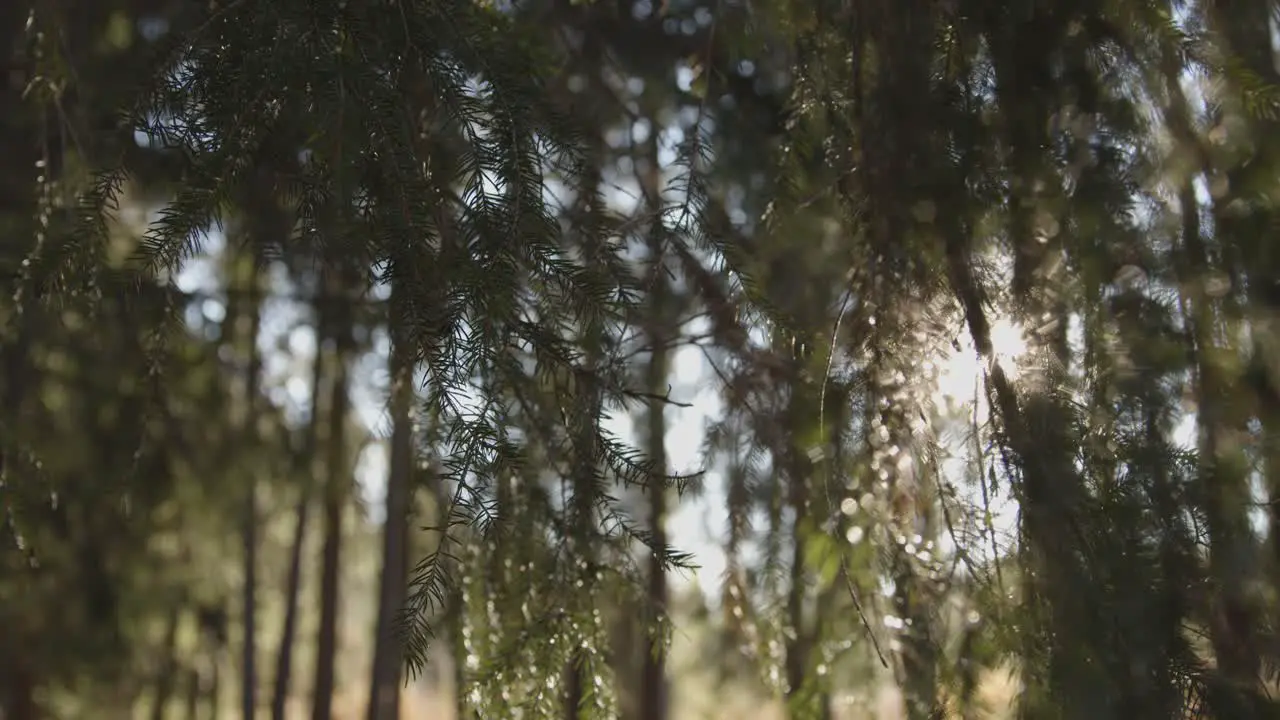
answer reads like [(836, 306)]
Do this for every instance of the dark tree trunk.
[(305, 466), (214, 693), (331, 555), (168, 676), (797, 648), (653, 677), (192, 699), (249, 527), (335, 494), (384, 697), (284, 653), (20, 693), (573, 689), (249, 648)]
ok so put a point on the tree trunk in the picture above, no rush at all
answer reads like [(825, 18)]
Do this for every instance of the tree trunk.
[(1037, 424), (573, 688), (214, 693), (797, 480), (249, 600), (212, 621), (284, 652), (1223, 466), (20, 694), (191, 702), (1246, 28), (901, 138), (249, 676), (168, 676), (241, 334), (653, 678), (588, 401), (384, 696), (1223, 470), (335, 493), (305, 467), (653, 682)]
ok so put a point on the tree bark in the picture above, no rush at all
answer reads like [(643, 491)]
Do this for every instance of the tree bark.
[(305, 467), (388, 658), (653, 678), (284, 653), (1223, 471), (168, 676), (240, 332), (573, 688), (20, 694), (335, 493), (191, 702)]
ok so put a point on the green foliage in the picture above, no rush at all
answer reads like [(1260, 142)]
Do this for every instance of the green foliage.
[(936, 173)]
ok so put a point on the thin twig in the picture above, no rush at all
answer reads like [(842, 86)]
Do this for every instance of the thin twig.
[(654, 396), (826, 483)]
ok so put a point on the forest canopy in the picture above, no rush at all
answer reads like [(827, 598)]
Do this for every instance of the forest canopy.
[(630, 359)]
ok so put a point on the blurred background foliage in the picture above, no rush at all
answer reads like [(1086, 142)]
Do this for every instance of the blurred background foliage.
[(621, 358)]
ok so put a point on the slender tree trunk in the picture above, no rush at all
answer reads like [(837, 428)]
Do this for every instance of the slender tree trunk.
[(214, 694), (20, 693), (305, 467), (901, 94), (834, 429), (898, 462), (738, 508), (653, 683), (20, 146), (384, 699), (1038, 425), (330, 566), (912, 603), (653, 679), (212, 621), (249, 664), (914, 596), (249, 677), (168, 676), (1269, 414), (1223, 466), (335, 494), (459, 655), (586, 459), (241, 334), (797, 647), (191, 702), (293, 583), (1223, 471), (1245, 239), (573, 688)]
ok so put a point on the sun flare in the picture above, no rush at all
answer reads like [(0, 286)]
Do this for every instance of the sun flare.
[(961, 369), (1008, 341)]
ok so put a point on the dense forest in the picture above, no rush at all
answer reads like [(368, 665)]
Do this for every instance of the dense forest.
[(639, 359)]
